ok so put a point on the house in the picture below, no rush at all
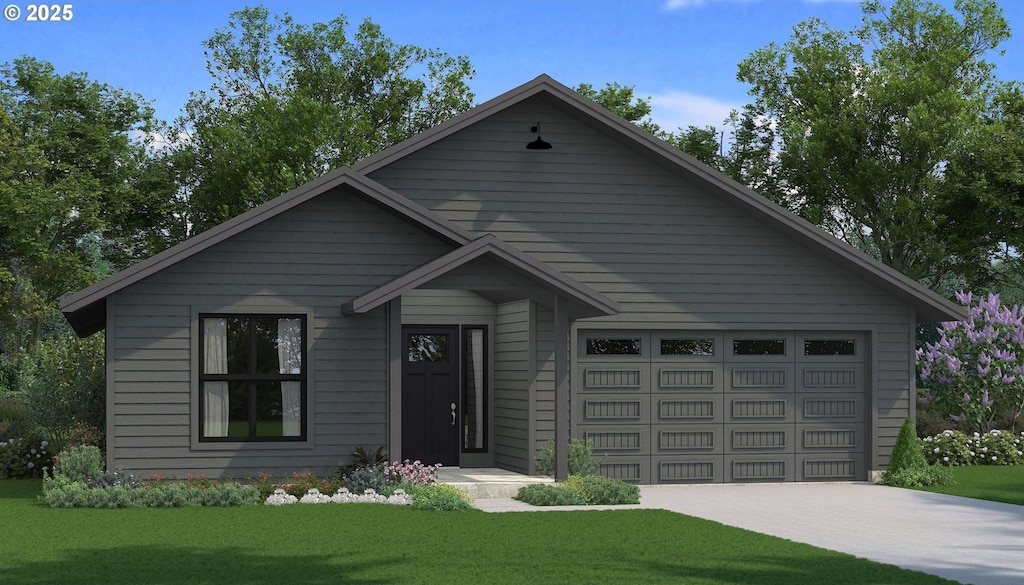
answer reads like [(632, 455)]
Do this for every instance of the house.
[(462, 299)]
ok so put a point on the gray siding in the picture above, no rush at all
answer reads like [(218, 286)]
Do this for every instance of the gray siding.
[(309, 260), (513, 373), (670, 251), (445, 307)]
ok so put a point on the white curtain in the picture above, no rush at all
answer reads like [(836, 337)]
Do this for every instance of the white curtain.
[(477, 357), (215, 361), (289, 359)]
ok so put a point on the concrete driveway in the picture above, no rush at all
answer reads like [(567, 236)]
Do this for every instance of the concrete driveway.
[(971, 541)]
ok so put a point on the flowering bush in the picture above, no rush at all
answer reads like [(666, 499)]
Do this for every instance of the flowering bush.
[(977, 362), (280, 497), (21, 458), (958, 448), (952, 448), (411, 473)]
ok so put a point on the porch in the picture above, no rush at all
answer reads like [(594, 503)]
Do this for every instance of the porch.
[(488, 482)]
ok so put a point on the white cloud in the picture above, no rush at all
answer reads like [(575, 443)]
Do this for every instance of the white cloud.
[(679, 109)]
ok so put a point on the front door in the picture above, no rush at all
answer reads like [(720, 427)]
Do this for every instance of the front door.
[(430, 394)]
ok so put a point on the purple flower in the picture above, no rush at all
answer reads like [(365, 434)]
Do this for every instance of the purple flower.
[(985, 400)]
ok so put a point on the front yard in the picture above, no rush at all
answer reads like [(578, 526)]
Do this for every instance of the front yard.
[(366, 543)]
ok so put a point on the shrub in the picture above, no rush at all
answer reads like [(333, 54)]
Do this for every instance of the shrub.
[(411, 473), (61, 492), (439, 497), (950, 448), (907, 454), (81, 463), (995, 447), (581, 458), (546, 494), (23, 458), (359, 480), (63, 381), (917, 477), (599, 490), (908, 466), (118, 477)]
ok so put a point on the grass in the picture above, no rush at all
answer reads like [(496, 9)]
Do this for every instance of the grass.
[(998, 483), (365, 543)]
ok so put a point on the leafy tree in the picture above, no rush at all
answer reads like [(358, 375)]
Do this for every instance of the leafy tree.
[(622, 100), (854, 130), (290, 102), (702, 143), (70, 204)]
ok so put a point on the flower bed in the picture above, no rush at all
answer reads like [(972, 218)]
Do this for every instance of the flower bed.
[(955, 448)]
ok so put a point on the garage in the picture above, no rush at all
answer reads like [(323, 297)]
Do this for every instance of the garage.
[(735, 406)]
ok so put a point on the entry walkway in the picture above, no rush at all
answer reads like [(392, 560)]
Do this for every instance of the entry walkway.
[(971, 541)]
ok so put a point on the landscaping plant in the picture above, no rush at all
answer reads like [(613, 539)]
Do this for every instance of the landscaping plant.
[(23, 458), (581, 458), (907, 464), (956, 448), (580, 490), (977, 364)]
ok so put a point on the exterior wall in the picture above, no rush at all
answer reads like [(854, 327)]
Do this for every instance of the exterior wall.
[(309, 260), (670, 251), (513, 371)]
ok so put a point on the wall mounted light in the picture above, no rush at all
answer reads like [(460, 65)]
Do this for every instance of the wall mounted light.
[(538, 143)]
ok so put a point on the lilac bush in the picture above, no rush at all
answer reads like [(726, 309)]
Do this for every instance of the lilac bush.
[(977, 363)]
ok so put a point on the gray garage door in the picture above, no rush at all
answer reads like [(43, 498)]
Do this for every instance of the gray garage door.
[(679, 406)]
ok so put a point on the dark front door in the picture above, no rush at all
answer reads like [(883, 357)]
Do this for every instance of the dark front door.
[(430, 394)]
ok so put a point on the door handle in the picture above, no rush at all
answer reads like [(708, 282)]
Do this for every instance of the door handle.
[(453, 414)]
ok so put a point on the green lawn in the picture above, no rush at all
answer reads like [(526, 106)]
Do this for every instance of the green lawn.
[(999, 483), (365, 543)]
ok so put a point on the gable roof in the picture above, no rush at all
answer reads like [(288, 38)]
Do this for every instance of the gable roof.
[(583, 300), (930, 306), (85, 310)]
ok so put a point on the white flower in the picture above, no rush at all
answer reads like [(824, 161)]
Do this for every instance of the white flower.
[(280, 497), (993, 458), (972, 453), (984, 449), (936, 450), (945, 458)]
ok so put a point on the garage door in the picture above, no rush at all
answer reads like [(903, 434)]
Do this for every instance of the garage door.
[(685, 407)]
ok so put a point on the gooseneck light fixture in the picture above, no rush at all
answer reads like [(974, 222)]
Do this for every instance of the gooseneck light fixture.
[(538, 143)]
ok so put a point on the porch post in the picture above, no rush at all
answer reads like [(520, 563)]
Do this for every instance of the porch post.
[(561, 389), (394, 341)]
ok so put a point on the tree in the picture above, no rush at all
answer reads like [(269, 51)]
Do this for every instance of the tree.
[(702, 143), (622, 100), (290, 102), (862, 125), (71, 208)]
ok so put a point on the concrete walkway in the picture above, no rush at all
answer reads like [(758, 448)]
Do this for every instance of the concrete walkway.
[(971, 541)]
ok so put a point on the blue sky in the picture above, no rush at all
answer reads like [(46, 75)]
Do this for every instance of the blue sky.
[(681, 53)]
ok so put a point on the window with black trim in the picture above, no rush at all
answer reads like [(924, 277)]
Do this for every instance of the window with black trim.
[(701, 347), (830, 347), (474, 389), (252, 377), (613, 346), (759, 347)]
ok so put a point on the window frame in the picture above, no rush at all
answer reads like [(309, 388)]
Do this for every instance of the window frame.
[(253, 378)]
